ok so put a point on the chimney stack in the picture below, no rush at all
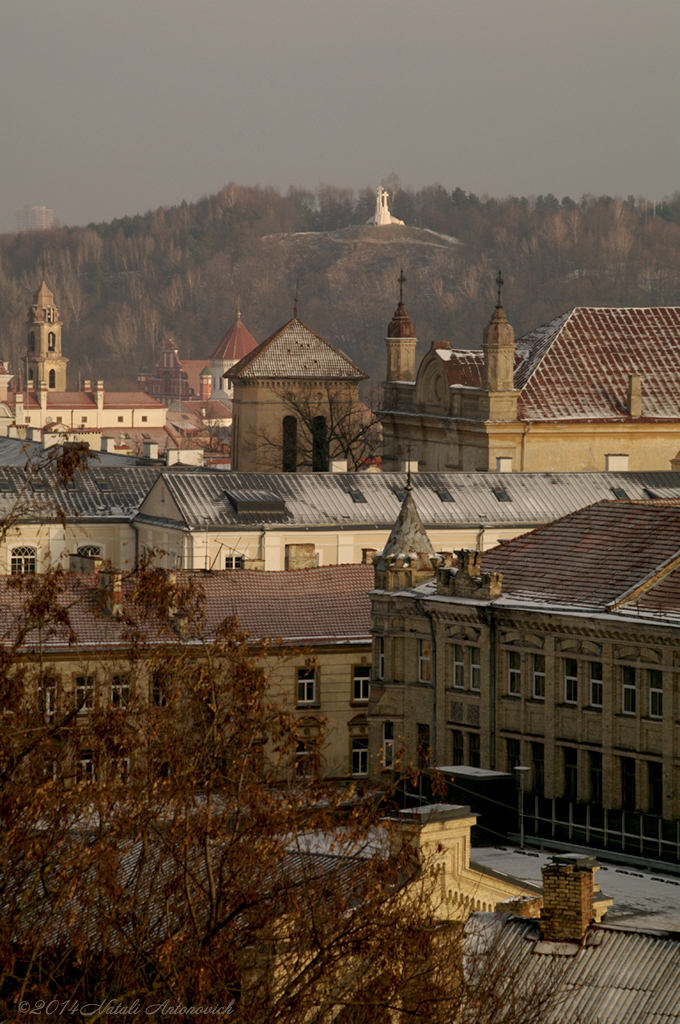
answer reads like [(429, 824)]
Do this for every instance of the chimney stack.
[(634, 395), (111, 592), (568, 887)]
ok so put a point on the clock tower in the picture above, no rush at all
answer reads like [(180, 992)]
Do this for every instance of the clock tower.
[(43, 359)]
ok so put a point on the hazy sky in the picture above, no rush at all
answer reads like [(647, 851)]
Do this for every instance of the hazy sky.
[(112, 107)]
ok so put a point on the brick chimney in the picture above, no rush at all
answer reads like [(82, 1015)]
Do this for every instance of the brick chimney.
[(568, 887), (468, 580), (206, 384), (634, 395), (99, 394)]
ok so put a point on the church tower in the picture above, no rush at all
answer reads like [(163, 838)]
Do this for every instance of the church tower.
[(401, 342), (43, 359)]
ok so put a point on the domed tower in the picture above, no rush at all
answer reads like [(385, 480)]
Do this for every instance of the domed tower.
[(401, 342), (43, 360), (237, 343)]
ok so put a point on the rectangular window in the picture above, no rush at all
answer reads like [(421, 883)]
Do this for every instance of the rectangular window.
[(233, 562), (475, 668), (513, 754), (83, 419), (380, 656), (388, 744), (159, 690), (655, 693), (305, 759), (360, 756), (475, 752), (538, 765), (570, 773), (120, 419), (306, 686), (85, 767), (144, 419), (458, 666), (595, 763), (458, 747), (120, 691), (424, 749), (120, 770), (361, 684), (629, 695), (571, 680), (539, 676), (48, 701), (628, 783), (514, 672), (424, 661), (655, 782), (84, 694), (596, 684)]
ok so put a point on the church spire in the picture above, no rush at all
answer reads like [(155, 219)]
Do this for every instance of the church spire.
[(407, 558), (401, 341)]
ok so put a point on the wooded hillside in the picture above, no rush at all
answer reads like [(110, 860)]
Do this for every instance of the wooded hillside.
[(124, 287)]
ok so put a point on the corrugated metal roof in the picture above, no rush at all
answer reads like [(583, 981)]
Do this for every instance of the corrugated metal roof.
[(15, 452), (324, 499), (122, 490), (631, 977)]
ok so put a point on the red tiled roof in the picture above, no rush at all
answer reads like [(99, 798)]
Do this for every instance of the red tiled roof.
[(86, 400), (296, 351), (325, 605), (576, 366), (592, 557), (236, 343)]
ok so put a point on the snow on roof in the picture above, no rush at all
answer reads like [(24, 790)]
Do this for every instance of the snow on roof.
[(296, 351)]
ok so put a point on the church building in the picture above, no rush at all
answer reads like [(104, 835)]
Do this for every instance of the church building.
[(595, 388)]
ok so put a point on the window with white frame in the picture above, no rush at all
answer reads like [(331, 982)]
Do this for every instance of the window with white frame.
[(475, 668), (380, 656), (48, 700), (159, 689), (90, 551), (514, 673), (84, 694), (233, 561), (85, 767), (305, 759), (120, 692), (120, 769), (539, 677), (571, 680), (596, 684), (388, 744), (361, 684), (655, 693), (23, 560), (424, 661), (306, 686), (458, 666), (629, 690), (360, 756)]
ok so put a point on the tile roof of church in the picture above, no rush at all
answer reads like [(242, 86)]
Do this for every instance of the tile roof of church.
[(296, 351), (236, 343), (576, 366)]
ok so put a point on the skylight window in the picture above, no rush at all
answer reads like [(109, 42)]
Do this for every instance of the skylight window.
[(357, 497), (255, 501), (6, 486), (445, 495), (619, 492), (104, 485), (501, 494), (38, 485)]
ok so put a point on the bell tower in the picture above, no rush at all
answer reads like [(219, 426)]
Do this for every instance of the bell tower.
[(43, 359), (401, 342)]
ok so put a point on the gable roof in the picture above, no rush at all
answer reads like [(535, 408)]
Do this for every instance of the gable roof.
[(296, 351), (576, 366), (599, 558), (236, 343)]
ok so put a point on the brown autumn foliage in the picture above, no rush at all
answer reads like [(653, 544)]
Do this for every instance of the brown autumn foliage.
[(124, 287), (158, 845)]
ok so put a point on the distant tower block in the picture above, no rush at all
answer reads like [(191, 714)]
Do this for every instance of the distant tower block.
[(382, 213)]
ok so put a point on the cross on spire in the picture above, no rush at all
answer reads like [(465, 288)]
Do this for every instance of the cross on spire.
[(238, 307), (499, 283), (401, 280), (409, 486)]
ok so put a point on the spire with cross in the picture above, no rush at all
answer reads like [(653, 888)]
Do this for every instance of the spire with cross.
[(499, 285), (401, 279)]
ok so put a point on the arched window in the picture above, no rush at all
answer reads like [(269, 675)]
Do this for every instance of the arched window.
[(319, 445), (51, 341), (53, 379), (289, 444), (31, 342), (90, 551), (23, 561)]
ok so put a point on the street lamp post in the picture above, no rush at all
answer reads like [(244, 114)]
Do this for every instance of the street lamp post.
[(521, 772)]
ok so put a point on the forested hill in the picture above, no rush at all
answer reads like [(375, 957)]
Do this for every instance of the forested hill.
[(124, 287)]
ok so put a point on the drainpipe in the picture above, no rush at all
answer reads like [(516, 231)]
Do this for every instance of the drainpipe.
[(526, 427), (488, 617), (423, 611)]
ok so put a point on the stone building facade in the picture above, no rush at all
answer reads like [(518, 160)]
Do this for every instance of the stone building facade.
[(593, 389), (557, 651)]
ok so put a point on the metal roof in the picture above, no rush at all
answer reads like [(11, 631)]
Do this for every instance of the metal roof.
[(15, 452), (325, 499), (122, 490), (628, 977)]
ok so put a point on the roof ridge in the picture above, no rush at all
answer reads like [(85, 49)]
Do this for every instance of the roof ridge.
[(655, 576), (567, 317)]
